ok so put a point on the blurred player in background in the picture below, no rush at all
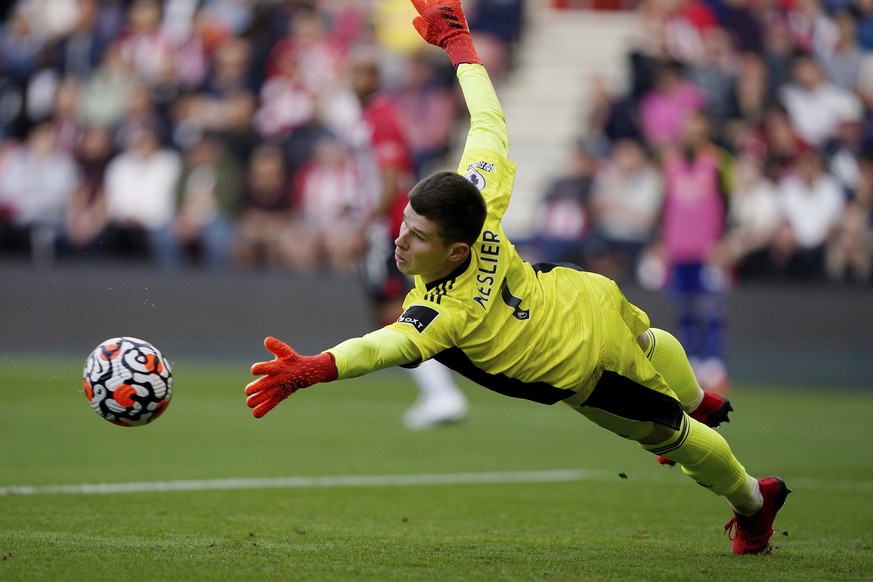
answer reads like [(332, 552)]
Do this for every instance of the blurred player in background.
[(698, 185), (547, 333), (440, 401)]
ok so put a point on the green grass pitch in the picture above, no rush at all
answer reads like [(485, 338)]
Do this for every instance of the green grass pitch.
[(623, 518)]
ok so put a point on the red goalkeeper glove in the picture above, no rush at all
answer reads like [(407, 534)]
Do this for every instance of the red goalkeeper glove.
[(442, 23), (287, 373)]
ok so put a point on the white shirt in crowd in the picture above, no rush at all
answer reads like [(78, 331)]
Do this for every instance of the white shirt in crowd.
[(813, 209), (142, 189)]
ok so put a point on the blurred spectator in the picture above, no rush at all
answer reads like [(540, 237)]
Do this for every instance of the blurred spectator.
[(348, 22), (564, 216), (611, 117), (741, 22), (111, 19), (387, 155), (777, 142), (779, 49), (208, 196), (715, 74), (177, 18), (37, 181), (812, 205), (812, 29), (106, 93), (231, 17), (626, 205), (864, 91), (51, 18), (698, 182), (753, 220), (864, 9), (140, 199), (285, 102), (746, 101), (665, 109), (12, 118), (844, 149), (849, 254), (41, 89), (20, 47), (86, 214), (685, 25), (226, 103), (813, 103), (426, 108), (393, 35), (331, 210), (66, 115), (140, 115), (195, 44), (263, 227), (299, 145), (78, 54), (319, 56), (842, 64), (497, 27), (143, 44)]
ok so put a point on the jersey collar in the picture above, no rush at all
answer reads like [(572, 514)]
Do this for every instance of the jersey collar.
[(453, 275)]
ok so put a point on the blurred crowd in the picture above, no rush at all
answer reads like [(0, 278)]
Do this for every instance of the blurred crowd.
[(216, 133), (228, 133), (742, 141)]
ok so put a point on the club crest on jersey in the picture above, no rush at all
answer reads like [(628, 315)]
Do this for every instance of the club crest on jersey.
[(419, 317), (476, 178)]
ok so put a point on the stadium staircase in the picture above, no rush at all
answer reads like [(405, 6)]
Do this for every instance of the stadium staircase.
[(545, 97)]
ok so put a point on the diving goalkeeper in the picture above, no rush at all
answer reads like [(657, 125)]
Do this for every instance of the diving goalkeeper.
[(546, 333)]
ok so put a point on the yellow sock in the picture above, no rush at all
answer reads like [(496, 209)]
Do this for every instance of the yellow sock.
[(669, 359), (707, 458)]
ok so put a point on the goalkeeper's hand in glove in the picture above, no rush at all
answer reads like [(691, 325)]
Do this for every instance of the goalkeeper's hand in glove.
[(442, 23), (287, 373)]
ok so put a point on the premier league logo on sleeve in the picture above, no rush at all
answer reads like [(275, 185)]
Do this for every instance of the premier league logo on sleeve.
[(476, 178)]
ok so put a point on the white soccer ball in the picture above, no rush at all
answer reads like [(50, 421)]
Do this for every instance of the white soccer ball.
[(127, 381)]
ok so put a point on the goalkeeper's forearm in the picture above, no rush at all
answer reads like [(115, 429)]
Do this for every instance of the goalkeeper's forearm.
[(487, 123), (383, 348)]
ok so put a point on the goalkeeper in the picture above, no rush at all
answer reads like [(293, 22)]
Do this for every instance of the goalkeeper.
[(546, 333)]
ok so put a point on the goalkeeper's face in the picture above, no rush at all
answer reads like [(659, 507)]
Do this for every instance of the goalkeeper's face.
[(420, 250)]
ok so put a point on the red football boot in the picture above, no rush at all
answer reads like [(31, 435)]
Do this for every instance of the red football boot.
[(713, 410), (751, 534)]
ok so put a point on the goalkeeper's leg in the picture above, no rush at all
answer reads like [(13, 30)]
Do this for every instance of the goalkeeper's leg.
[(657, 422), (669, 359)]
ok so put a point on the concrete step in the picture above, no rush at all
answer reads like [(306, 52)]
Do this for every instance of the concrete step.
[(546, 98)]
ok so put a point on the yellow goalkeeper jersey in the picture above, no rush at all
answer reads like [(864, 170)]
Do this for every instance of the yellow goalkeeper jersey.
[(529, 331)]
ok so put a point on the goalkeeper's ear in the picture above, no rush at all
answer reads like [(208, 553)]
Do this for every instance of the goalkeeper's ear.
[(458, 252)]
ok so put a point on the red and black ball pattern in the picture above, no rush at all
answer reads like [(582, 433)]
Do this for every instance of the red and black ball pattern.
[(127, 381)]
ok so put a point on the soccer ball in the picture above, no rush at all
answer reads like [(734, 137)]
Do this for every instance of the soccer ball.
[(127, 381)]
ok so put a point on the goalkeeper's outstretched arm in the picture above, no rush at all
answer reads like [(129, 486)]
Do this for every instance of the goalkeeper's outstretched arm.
[(441, 23)]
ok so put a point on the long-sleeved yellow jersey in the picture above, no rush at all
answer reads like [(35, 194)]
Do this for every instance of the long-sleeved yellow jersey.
[(539, 332)]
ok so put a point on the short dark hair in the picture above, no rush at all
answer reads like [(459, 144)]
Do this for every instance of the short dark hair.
[(453, 203)]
